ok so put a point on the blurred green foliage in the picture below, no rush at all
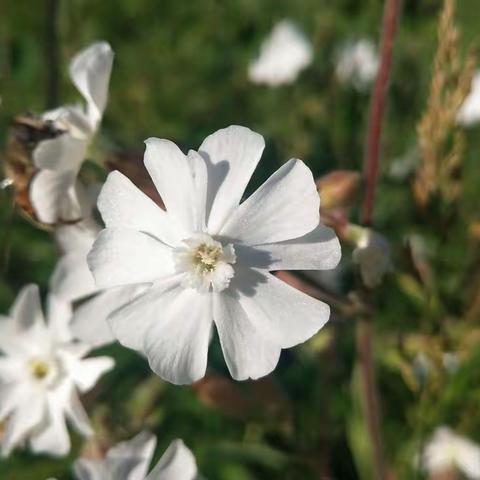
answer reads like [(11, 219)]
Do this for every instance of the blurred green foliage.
[(180, 73)]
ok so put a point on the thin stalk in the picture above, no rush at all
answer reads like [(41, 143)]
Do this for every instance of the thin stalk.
[(372, 152), (364, 337), (370, 402), (51, 53)]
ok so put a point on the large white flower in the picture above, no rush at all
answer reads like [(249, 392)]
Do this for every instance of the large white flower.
[(207, 258), (54, 191), (448, 451), (42, 370), (470, 112), (357, 64), (130, 461), (283, 55)]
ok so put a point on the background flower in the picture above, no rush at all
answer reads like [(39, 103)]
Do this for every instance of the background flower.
[(55, 193), (446, 451), (130, 461), (283, 55), (42, 372)]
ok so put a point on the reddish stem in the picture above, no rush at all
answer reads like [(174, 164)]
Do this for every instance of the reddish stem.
[(371, 404), (372, 152)]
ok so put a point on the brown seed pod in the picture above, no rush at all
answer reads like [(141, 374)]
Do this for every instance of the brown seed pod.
[(24, 135)]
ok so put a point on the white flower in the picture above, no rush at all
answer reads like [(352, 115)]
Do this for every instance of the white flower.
[(283, 55), (54, 191), (207, 258), (72, 281), (470, 111), (41, 372), (447, 450), (372, 254), (130, 461), (357, 64)]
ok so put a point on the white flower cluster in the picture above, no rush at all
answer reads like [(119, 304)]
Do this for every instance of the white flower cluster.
[(157, 280)]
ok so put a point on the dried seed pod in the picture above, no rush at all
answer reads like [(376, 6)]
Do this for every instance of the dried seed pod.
[(25, 133)]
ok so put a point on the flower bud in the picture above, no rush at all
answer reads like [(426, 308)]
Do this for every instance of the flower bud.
[(339, 188), (372, 254)]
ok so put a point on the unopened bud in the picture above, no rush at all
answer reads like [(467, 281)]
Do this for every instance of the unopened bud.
[(372, 254), (339, 188)]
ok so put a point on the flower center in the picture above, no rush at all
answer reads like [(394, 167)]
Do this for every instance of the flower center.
[(205, 263), (206, 257), (44, 370), (39, 368)]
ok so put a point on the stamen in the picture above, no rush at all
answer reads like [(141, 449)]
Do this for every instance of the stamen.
[(206, 263), (39, 368)]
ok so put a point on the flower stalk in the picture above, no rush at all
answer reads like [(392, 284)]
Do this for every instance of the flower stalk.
[(372, 153), (364, 337)]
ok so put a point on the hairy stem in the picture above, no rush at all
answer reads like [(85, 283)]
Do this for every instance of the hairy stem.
[(372, 152), (364, 338)]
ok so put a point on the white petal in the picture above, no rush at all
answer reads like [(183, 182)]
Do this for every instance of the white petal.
[(71, 278), (125, 257), (59, 316), (281, 313), (54, 196), (53, 438), (317, 250), (172, 326), (131, 323), (61, 154), (199, 194), (28, 331), (78, 416), (177, 344), (173, 177), (177, 463), (231, 155), (89, 469), (247, 353), (27, 309), (123, 205), (468, 457), (27, 415), (135, 455), (9, 392), (78, 236), (85, 373), (8, 335), (286, 206), (90, 73), (89, 321)]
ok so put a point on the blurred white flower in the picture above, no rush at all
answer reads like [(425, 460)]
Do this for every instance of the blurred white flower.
[(447, 450), (422, 365), (372, 254), (207, 258), (357, 64), (470, 111), (130, 461), (42, 371), (54, 191), (283, 55)]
